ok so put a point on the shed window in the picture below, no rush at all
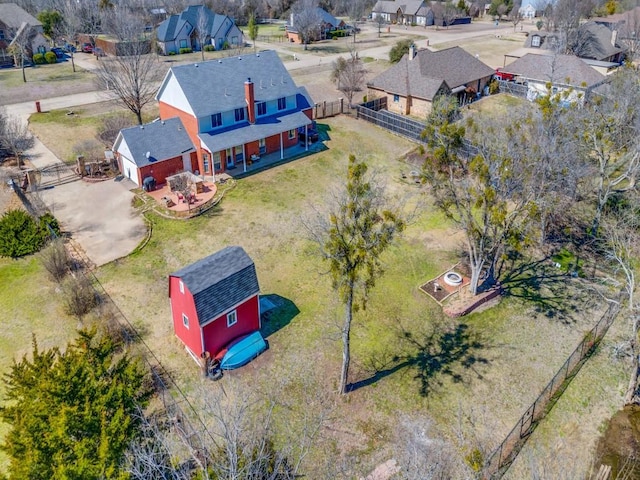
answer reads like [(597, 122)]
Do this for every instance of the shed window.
[(232, 318), (239, 114), (181, 286), (535, 41), (216, 120), (282, 103), (1, 34), (183, 44), (185, 320), (396, 98)]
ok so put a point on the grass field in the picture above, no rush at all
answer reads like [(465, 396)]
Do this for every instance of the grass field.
[(477, 378)]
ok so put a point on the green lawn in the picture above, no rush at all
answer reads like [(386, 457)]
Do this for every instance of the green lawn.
[(30, 306)]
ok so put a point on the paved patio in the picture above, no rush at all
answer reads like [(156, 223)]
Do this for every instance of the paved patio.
[(180, 205)]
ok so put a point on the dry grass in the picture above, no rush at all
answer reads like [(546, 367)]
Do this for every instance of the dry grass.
[(489, 48), (474, 382)]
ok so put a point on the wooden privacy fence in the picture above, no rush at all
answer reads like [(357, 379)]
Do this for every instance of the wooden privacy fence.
[(328, 109), (503, 456), (376, 113)]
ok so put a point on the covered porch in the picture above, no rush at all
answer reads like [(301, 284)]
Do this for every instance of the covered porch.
[(269, 160)]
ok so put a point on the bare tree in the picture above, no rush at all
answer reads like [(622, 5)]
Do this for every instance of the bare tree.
[(15, 136), (449, 13), (380, 22), (203, 29), (306, 20), (134, 74), (629, 34), (351, 76), (515, 16), (20, 48), (356, 9), (56, 260)]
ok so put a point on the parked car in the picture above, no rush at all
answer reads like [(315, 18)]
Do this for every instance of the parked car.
[(87, 47), (59, 52)]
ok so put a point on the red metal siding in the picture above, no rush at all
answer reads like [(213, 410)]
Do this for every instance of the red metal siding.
[(183, 303), (217, 335)]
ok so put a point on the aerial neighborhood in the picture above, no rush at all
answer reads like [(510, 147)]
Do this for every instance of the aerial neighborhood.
[(383, 240)]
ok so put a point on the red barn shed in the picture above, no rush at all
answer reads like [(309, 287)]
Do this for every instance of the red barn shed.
[(215, 301)]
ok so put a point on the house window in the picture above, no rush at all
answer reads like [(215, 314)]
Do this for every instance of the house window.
[(216, 120), (205, 163), (535, 41), (217, 165), (185, 320), (181, 286), (262, 145), (262, 108), (234, 40), (396, 98), (239, 114), (282, 103), (232, 318), (1, 34), (292, 134), (183, 44)]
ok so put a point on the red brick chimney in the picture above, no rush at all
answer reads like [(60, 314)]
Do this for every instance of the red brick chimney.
[(250, 98)]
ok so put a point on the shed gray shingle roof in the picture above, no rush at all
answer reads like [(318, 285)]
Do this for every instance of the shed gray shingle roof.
[(220, 281), (565, 69), (162, 139), (218, 85), (423, 76), (13, 16), (408, 7)]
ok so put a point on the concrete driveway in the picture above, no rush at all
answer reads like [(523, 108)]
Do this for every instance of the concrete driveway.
[(99, 216)]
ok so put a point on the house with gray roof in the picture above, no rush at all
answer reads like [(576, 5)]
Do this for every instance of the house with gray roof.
[(405, 12), (327, 23), (413, 83), (19, 27), (158, 149), (214, 301), (182, 31), (236, 109), (567, 75)]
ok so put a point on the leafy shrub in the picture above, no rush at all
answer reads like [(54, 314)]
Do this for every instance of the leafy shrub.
[(38, 58), (50, 57), (226, 46), (399, 50), (20, 235), (185, 50), (171, 53), (209, 48), (49, 224), (494, 87)]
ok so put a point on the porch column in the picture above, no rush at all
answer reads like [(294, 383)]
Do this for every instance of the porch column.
[(244, 157), (281, 147), (306, 138)]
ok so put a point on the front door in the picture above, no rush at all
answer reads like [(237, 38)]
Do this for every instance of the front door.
[(230, 162)]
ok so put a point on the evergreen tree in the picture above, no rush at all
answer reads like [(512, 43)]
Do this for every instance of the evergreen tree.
[(71, 412)]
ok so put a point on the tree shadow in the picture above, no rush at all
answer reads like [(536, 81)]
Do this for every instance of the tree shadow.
[(276, 312), (443, 351), (548, 288)]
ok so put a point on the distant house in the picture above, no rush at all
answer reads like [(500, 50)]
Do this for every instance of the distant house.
[(565, 73), (592, 40), (158, 149), (181, 31), (412, 84), (405, 12), (19, 27), (235, 109), (214, 301), (328, 23), (528, 12)]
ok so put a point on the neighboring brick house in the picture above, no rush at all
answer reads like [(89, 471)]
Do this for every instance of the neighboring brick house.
[(15, 23), (405, 12), (413, 83), (565, 73), (328, 23), (158, 149), (181, 31), (235, 108)]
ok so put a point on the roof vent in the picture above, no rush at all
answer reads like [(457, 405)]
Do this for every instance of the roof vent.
[(141, 127), (239, 58), (196, 65), (219, 61), (257, 54), (162, 122), (148, 154)]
